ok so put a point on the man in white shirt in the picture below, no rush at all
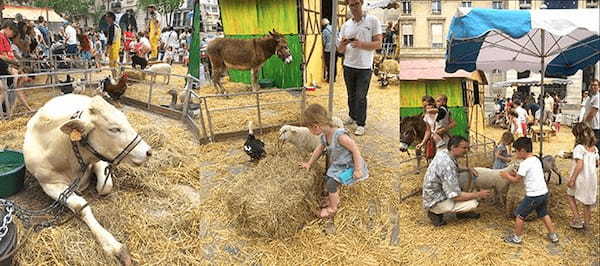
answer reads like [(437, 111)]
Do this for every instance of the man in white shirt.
[(360, 37), (71, 39), (172, 39), (548, 106), (521, 116), (592, 116)]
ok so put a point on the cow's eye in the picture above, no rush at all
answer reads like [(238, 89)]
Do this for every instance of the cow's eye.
[(115, 130)]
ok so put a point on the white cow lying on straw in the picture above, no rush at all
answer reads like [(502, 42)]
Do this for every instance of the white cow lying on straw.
[(301, 136), (101, 134)]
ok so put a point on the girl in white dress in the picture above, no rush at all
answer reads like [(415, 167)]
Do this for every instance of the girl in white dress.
[(583, 178)]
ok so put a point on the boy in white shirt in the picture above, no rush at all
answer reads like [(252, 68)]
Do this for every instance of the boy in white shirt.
[(536, 196)]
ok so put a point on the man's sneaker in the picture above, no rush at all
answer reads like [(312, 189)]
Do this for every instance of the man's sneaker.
[(576, 224), (436, 219), (553, 237), (513, 239), (467, 215), (359, 131), (349, 121)]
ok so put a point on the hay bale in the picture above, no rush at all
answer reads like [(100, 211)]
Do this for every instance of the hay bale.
[(275, 198)]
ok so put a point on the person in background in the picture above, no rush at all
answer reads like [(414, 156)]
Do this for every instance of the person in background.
[(327, 42), (114, 42), (86, 45), (444, 121), (188, 39), (584, 98), (547, 115), (558, 120), (129, 37), (521, 116), (71, 39), (592, 114), (7, 58), (359, 38), (502, 154), (153, 26)]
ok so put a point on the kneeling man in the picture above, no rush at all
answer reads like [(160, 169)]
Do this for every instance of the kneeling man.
[(441, 190)]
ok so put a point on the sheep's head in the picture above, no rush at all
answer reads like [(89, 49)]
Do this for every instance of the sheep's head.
[(286, 132)]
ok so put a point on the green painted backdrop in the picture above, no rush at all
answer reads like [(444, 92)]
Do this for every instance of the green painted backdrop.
[(412, 91), (245, 19), (283, 76), (248, 17)]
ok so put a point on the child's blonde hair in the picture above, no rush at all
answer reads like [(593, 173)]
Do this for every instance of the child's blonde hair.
[(584, 135), (316, 114), (507, 138)]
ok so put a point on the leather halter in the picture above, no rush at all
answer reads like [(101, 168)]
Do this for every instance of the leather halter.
[(115, 161)]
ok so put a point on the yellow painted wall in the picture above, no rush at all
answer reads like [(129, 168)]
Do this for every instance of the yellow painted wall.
[(314, 67)]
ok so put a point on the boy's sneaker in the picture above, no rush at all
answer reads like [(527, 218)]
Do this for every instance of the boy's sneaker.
[(467, 215), (576, 224), (436, 219), (513, 239), (359, 131), (553, 237), (349, 121)]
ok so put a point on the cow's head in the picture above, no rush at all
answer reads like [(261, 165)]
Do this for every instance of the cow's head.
[(281, 49), (412, 129), (107, 131)]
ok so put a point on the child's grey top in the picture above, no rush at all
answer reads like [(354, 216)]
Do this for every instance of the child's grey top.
[(340, 158)]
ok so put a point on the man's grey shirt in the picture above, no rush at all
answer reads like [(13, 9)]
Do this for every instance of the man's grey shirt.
[(441, 180)]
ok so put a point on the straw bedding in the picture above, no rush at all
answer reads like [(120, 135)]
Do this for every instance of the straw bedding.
[(479, 241), (274, 199), (176, 209)]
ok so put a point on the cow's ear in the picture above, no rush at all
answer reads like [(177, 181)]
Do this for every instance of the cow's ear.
[(75, 129)]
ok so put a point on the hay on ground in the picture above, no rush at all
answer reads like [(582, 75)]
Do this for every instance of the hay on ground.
[(274, 199)]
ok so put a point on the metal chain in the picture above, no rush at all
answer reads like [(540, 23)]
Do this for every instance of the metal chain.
[(55, 209), (7, 219)]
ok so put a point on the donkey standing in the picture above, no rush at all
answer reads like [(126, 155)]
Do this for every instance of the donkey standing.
[(249, 54)]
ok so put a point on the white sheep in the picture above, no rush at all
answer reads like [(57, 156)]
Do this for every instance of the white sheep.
[(489, 179), (162, 68), (301, 136)]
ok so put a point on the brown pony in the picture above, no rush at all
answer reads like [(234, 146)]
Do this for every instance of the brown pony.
[(249, 54)]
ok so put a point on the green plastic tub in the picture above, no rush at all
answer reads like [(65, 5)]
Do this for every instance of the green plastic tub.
[(265, 83), (12, 172)]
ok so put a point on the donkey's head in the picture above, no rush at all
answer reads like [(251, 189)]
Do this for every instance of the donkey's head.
[(281, 49), (412, 129)]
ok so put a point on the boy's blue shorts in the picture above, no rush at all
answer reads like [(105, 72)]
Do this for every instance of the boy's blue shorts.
[(529, 204)]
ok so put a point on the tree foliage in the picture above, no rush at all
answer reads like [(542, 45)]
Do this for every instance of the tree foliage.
[(67, 7), (163, 6)]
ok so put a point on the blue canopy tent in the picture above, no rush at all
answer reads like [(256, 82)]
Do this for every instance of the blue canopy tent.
[(553, 42)]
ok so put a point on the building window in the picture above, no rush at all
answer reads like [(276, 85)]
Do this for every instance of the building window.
[(407, 35), (437, 35), (524, 4), (436, 7), (591, 3), (497, 4), (406, 7), (466, 4)]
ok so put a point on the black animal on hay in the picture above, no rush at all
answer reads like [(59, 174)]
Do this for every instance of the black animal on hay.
[(254, 147)]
